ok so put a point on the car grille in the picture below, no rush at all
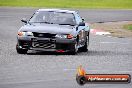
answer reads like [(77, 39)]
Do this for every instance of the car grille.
[(44, 35), (43, 44)]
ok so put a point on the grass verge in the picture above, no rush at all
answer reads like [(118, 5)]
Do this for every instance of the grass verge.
[(117, 29), (128, 26), (112, 4)]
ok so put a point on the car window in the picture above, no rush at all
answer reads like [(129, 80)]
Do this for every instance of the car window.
[(78, 18), (53, 17)]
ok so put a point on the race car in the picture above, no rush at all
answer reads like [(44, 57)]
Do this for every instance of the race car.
[(53, 30)]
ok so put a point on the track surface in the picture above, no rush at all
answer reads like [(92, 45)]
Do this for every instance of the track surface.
[(53, 70)]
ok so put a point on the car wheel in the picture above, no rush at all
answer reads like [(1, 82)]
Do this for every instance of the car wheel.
[(21, 51), (85, 47), (75, 49)]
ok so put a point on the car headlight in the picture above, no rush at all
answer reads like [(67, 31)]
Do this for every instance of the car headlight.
[(69, 36), (29, 33), (25, 34)]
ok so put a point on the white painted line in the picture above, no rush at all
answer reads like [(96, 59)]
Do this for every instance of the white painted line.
[(99, 32), (103, 33)]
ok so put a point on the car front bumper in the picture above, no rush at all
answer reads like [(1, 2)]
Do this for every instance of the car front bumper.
[(46, 44)]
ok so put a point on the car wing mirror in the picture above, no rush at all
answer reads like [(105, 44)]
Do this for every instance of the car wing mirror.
[(83, 20), (24, 20)]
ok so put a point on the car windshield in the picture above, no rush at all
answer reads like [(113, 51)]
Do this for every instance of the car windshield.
[(51, 17)]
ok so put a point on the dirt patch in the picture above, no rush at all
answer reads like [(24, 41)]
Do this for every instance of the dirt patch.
[(115, 28)]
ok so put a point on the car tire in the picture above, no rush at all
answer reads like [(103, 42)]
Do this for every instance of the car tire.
[(85, 47), (75, 49)]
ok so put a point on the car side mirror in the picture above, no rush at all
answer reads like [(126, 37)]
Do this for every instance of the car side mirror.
[(83, 19), (24, 20), (81, 24)]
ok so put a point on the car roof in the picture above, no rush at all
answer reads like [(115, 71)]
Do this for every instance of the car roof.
[(57, 10)]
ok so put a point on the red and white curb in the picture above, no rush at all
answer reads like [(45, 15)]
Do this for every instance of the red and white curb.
[(99, 32)]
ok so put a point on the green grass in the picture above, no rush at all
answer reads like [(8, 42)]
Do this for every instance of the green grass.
[(128, 26), (112, 4)]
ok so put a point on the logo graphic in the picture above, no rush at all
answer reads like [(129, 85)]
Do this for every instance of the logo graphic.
[(83, 78)]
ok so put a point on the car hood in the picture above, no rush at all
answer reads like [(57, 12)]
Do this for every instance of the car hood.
[(48, 28)]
